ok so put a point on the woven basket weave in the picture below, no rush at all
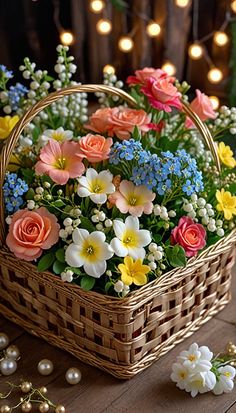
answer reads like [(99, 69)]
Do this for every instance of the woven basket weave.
[(120, 336)]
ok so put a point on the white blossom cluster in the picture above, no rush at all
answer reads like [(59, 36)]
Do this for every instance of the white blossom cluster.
[(199, 210), (225, 119), (164, 214), (198, 148), (99, 218), (109, 80), (69, 226), (155, 257), (120, 287)]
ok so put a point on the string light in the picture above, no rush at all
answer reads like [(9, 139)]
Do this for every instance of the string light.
[(215, 102), (104, 26), (66, 38), (195, 51), (233, 6), (220, 38), (153, 29), (96, 6), (109, 69), (169, 68), (215, 75), (126, 44), (182, 3)]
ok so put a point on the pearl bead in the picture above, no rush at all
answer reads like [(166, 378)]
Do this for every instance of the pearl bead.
[(4, 341), (13, 352), (45, 367), (44, 407), (60, 409), (43, 390), (26, 407), (5, 409), (8, 366), (26, 386), (73, 376)]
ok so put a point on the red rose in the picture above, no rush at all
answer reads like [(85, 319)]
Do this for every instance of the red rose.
[(188, 234)]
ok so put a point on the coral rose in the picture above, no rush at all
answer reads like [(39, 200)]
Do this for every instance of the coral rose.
[(125, 121), (188, 234), (31, 232), (162, 94), (142, 75), (95, 148), (101, 122), (202, 106)]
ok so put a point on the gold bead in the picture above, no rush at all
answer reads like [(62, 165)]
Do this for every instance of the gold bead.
[(5, 409), (44, 407), (26, 386), (233, 363), (43, 390), (60, 409), (231, 348), (26, 407)]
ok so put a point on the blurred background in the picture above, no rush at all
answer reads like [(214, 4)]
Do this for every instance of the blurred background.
[(193, 39)]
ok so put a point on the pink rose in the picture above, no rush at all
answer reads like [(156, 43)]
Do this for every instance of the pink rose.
[(101, 122), (125, 121), (202, 106), (188, 234), (162, 94), (141, 76), (95, 148), (31, 232)]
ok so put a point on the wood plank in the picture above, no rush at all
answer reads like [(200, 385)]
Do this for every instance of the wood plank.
[(229, 314)]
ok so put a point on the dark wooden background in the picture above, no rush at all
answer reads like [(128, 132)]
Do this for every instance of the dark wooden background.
[(27, 29)]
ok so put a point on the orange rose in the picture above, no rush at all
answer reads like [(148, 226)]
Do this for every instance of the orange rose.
[(31, 232), (125, 121), (95, 148), (100, 121)]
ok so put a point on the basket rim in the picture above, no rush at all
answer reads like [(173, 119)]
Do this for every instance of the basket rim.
[(163, 280)]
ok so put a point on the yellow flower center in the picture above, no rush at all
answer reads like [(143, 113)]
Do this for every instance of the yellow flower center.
[(61, 163), (96, 186), (91, 251), (132, 200), (183, 375), (58, 136), (227, 374), (130, 239), (192, 357)]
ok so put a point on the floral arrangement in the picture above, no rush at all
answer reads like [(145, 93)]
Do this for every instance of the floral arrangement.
[(197, 371), (113, 200)]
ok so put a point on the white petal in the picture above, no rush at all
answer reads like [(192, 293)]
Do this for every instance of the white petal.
[(136, 253), (132, 222), (107, 251), (95, 270), (79, 235), (97, 236), (98, 198), (106, 176), (110, 188), (118, 248), (144, 237), (119, 228), (91, 174), (83, 181), (72, 256), (82, 191)]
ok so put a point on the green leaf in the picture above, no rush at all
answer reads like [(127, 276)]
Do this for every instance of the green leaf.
[(58, 267), (108, 285), (157, 238), (86, 224), (75, 270), (28, 175), (46, 261), (176, 256), (35, 134), (58, 203), (60, 255), (49, 78), (87, 283), (232, 188), (136, 133), (30, 194)]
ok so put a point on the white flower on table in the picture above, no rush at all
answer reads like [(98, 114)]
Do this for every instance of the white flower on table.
[(96, 185), (201, 382), (90, 251), (225, 383), (196, 357), (129, 239), (180, 375)]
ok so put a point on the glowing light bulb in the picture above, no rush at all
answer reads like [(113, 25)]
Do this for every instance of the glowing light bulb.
[(153, 29), (96, 6), (66, 38), (109, 69), (233, 6), (182, 3), (103, 26), (220, 38), (169, 68), (126, 44), (195, 51), (215, 75), (215, 102)]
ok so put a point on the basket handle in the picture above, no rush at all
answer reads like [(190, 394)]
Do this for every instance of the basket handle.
[(53, 97)]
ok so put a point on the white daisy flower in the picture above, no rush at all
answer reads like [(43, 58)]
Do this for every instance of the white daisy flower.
[(96, 185), (89, 251), (226, 380), (59, 135), (196, 357)]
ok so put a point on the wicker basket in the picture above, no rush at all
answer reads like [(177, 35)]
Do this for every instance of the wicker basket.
[(120, 336)]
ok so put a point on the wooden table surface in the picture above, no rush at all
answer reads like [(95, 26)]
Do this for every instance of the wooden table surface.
[(98, 392)]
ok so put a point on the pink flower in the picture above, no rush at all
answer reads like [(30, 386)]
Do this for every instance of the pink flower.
[(141, 76), (162, 94), (157, 126), (202, 106), (101, 121), (60, 161), (31, 232), (133, 199), (125, 121), (188, 234), (95, 148)]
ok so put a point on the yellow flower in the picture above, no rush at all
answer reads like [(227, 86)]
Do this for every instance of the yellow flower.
[(7, 123), (227, 203), (133, 271), (226, 155)]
